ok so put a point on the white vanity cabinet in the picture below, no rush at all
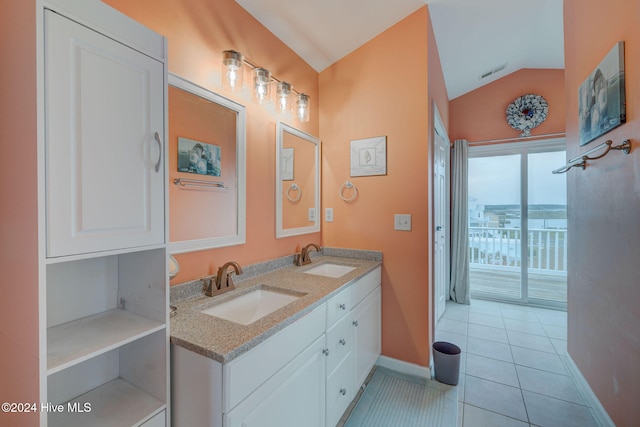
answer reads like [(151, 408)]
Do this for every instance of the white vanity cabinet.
[(355, 341), (367, 342), (278, 383), (307, 374), (104, 336), (340, 385), (292, 397), (104, 124)]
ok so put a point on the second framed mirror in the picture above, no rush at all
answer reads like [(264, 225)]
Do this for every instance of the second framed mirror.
[(297, 182)]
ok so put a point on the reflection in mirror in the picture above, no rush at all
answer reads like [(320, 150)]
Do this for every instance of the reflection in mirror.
[(206, 169), (297, 182)]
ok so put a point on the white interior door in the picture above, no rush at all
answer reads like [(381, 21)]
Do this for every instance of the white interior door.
[(440, 218)]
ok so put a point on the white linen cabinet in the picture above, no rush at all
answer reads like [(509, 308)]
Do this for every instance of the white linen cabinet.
[(104, 332)]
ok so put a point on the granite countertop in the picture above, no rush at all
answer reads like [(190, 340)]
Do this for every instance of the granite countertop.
[(223, 340)]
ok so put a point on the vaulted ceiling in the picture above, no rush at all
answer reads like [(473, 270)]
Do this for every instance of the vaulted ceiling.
[(474, 37)]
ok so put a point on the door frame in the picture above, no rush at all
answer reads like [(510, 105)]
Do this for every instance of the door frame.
[(522, 148), (439, 130)]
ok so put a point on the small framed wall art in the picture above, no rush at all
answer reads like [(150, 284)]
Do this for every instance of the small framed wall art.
[(601, 102), (369, 156), (286, 164)]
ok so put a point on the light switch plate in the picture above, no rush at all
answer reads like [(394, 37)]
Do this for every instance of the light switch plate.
[(328, 215), (312, 214), (402, 222)]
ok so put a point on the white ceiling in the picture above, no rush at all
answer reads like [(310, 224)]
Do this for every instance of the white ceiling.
[(473, 36)]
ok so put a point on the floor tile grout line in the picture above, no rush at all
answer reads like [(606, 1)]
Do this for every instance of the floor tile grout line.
[(557, 398), (510, 346), (498, 413)]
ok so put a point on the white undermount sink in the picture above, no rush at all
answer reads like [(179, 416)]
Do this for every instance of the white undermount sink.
[(330, 270), (252, 306)]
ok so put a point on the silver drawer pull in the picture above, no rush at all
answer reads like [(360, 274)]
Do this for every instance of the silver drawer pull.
[(325, 351), (343, 391), (342, 306), (355, 323), (343, 341), (157, 136)]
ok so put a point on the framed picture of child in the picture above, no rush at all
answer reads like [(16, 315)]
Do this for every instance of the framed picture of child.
[(198, 157), (601, 98)]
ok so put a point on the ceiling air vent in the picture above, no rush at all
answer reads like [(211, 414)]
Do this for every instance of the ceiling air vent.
[(493, 71)]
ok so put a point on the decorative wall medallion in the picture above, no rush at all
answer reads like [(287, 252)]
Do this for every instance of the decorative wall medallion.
[(527, 112)]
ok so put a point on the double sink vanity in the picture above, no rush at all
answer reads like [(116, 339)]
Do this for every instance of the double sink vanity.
[(289, 346), (285, 345)]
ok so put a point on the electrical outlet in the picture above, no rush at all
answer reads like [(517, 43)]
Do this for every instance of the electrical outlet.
[(328, 215), (402, 222), (312, 214)]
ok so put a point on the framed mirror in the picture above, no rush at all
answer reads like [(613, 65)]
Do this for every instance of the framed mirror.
[(297, 182), (207, 169)]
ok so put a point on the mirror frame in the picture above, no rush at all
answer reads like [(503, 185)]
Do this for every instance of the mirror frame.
[(241, 172), (280, 232)]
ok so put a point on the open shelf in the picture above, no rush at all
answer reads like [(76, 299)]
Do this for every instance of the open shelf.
[(74, 342), (115, 403)]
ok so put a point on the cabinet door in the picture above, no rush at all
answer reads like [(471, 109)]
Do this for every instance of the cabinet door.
[(293, 397), (367, 343), (104, 164)]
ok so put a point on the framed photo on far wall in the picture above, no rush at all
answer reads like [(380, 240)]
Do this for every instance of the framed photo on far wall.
[(601, 97)]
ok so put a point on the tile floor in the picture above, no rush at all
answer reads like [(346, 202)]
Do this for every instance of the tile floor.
[(513, 368)]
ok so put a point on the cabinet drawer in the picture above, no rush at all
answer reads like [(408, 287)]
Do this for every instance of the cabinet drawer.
[(362, 287), (338, 306), (246, 373), (340, 390), (339, 342)]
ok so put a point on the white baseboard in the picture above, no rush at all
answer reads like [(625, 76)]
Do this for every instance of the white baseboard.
[(597, 410), (404, 367)]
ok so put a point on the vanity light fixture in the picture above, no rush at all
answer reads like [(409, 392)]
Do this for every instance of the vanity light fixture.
[(232, 74), (232, 64), (261, 85), (302, 108), (283, 94)]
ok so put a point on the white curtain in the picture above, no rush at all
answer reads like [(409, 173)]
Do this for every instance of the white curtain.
[(459, 290)]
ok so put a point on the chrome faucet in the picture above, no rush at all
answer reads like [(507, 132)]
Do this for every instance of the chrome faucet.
[(303, 257), (224, 281)]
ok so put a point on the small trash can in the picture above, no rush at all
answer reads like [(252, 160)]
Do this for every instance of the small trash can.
[(446, 362)]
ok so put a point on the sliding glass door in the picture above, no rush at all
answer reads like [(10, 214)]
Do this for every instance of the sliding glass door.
[(518, 223)]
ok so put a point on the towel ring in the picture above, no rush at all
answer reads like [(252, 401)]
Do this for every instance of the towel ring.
[(349, 186), (296, 188)]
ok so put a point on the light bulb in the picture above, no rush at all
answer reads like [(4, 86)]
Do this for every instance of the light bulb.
[(261, 85), (232, 62), (302, 108), (284, 95)]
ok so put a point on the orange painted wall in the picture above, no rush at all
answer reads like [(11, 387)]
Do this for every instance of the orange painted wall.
[(372, 93), (19, 366), (604, 231), (198, 31), (481, 114)]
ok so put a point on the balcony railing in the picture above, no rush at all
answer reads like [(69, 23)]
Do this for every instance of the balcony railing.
[(501, 248)]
